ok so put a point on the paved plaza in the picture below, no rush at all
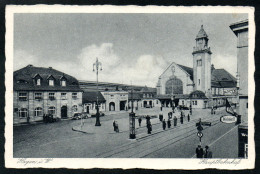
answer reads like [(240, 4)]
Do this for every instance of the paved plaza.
[(71, 139)]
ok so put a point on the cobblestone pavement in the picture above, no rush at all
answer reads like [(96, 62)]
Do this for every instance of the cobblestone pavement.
[(56, 140)]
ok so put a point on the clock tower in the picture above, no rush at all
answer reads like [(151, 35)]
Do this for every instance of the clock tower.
[(202, 63)]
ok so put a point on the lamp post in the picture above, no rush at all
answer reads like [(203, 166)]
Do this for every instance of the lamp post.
[(132, 118), (98, 66)]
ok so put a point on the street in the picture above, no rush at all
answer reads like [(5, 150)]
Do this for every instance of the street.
[(58, 140)]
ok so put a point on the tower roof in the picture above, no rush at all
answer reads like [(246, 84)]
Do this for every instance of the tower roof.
[(202, 33)]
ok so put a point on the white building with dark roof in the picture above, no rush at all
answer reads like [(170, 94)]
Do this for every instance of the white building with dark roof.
[(177, 84), (39, 91)]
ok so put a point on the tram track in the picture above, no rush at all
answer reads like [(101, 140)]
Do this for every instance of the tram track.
[(148, 139)]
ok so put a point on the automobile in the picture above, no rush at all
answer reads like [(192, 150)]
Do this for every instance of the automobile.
[(49, 118), (77, 116), (101, 114), (183, 107), (85, 115)]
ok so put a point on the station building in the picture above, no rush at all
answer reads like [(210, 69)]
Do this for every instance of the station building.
[(39, 91), (201, 86)]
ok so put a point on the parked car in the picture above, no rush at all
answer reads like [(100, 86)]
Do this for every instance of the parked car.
[(101, 114), (77, 116), (85, 115), (49, 118), (183, 107)]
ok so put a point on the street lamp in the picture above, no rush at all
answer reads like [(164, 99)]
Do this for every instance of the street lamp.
[(132, 119), (98, 66)]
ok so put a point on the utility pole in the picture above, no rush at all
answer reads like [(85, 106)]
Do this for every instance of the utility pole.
[(132, 118)]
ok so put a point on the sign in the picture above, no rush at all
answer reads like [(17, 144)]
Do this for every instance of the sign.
[(200, 134), (228, 119)]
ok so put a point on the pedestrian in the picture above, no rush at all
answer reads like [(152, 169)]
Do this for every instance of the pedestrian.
[(190, 110), (164, 124), (175, 121), (199, 152), (169, 123), (207, 152), (181, 119), (188, 117), (140, 121), (117, 128), (149, 128), (114, 125), (212, 110)]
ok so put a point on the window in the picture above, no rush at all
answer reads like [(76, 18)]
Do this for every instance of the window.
[(51, 82), (156, 101), (63, 96), (52, 96), (144, 95), (23, 113), (196, 102), (199, 62), (37, 96), (38, 82), (22, 96), (51, 110), (247, 105), (199, 82), (74, 108), (74, 95), (38, 112), (63, 83), (182, 102)]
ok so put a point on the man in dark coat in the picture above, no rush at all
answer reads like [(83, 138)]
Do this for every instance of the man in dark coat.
[(139, 121), (175, 121), (199, 152), (114, 125), (207, 152), (181, 119), (164, 124), (169, 123), (188, 117), (149, 128)]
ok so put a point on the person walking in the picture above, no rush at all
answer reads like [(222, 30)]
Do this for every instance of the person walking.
[(169, 123), (114, 125), (181, 119), (175, 121), (199, 152), (139, 121), (164, 124), (188, 117), (149, 128), (117, 128), (207, 152)]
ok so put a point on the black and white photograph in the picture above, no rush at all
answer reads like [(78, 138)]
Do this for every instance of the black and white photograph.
[(147, 87)]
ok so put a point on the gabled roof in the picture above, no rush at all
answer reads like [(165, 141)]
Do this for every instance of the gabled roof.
[(91, 97), (197, 95), (222, 79), (188, 70), (27, 74)]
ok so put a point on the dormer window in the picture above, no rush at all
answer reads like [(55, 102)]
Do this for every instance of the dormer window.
[(37, 79), (51, 82), (38, 82), (63, 83)]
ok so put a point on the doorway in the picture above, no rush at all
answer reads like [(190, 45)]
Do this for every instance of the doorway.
[(122, 105), (64, 112), (111, 106)]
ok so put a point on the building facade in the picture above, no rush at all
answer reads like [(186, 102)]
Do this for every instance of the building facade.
[(39, 91), (89, 100), (116, 100), (177, 83), (241, 31)]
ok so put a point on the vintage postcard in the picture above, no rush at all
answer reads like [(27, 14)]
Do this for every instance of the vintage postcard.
[(129, 87)]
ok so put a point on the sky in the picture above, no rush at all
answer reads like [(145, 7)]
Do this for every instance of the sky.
[(131, 47)]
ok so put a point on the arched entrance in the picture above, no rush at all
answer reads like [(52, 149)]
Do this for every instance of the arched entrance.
[(174, 86), (150, 104), (122, 105), (145, 104), (64, 112), (111, 106)]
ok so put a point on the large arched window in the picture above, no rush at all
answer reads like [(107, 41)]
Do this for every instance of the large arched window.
[(23, 112), (51, 110), (174, 86), (38, 112)]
